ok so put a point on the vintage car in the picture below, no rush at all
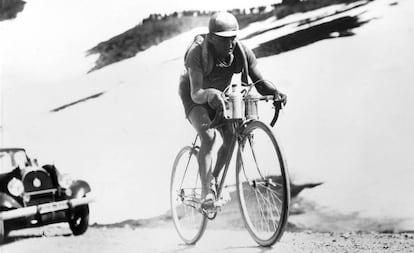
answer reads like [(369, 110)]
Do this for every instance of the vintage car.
[(32, 196)]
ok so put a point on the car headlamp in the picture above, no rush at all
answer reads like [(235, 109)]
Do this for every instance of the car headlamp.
[(65, 181), (15, 187)]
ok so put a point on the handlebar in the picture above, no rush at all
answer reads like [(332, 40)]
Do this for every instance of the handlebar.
[(267, 98), (278, 104)]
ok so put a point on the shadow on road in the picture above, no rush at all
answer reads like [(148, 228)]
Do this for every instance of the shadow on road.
[(256, 249)]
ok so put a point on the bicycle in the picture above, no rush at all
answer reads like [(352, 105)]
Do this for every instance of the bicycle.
[(262, 180)]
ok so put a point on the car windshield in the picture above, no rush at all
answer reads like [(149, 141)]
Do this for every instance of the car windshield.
[(5, 162), (11, 159)]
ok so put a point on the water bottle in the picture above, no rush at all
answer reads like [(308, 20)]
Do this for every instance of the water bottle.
[(235, 102), (251, 105)]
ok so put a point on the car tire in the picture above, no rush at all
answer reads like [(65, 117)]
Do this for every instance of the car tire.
[(80, 221), (4, 233)]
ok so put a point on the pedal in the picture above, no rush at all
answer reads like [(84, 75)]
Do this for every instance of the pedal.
[(208, 204), (224, 198), (209, 209)]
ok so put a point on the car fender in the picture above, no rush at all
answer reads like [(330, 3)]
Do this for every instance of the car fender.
[(80, 188), (8, 202)]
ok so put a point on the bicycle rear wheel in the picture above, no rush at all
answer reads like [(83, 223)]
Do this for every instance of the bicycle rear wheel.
[(262, 184), (185, 195)]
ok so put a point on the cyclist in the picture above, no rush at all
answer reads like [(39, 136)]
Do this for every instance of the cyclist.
[(210, 62)]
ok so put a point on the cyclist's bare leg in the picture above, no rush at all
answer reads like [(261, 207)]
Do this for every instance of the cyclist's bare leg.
[(226, 135), (200, 120)]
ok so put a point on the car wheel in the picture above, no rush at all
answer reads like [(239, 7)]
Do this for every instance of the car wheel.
[(4, 232), (80, 221)]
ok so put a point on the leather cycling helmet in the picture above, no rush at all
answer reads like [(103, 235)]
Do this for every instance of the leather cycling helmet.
[(223, 24)]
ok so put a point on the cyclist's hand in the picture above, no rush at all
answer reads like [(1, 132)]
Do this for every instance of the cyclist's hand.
[(280, 98), (215, 99)]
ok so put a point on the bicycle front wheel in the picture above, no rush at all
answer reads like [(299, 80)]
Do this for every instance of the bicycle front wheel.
[(185, 196), (262, 184)]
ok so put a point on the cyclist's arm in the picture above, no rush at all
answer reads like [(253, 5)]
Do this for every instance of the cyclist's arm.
[(266, 88), (263, 87), (198, 94)]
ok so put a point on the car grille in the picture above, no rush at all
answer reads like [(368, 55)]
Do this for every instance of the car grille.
[(37, 181), (38, 188)]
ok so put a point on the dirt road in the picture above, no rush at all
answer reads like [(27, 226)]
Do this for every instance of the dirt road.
[(164, 239)]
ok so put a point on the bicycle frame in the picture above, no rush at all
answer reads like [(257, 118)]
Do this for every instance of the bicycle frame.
[(236, 127)]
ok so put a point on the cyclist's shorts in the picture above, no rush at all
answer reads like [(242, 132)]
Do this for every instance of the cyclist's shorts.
[(188, 103)]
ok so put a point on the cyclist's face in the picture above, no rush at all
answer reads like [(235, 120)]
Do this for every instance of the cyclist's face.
[(223, 46)]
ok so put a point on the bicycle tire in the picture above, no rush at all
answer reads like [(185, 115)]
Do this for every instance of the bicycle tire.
[(188, 220), (262, 184)]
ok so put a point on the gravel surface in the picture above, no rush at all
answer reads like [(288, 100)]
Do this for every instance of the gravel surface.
[(164, 239)]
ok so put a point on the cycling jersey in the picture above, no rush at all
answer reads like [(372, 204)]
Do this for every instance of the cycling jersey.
[(199, 57)]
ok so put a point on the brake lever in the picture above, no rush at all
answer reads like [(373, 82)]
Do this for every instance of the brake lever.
[(278, 107)]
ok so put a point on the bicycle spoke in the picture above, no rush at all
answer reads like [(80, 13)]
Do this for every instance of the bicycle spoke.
[(272, 209), (269, 210), (263, 213), (250, 138), (276, 200), (260, 211), (274, 195)]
